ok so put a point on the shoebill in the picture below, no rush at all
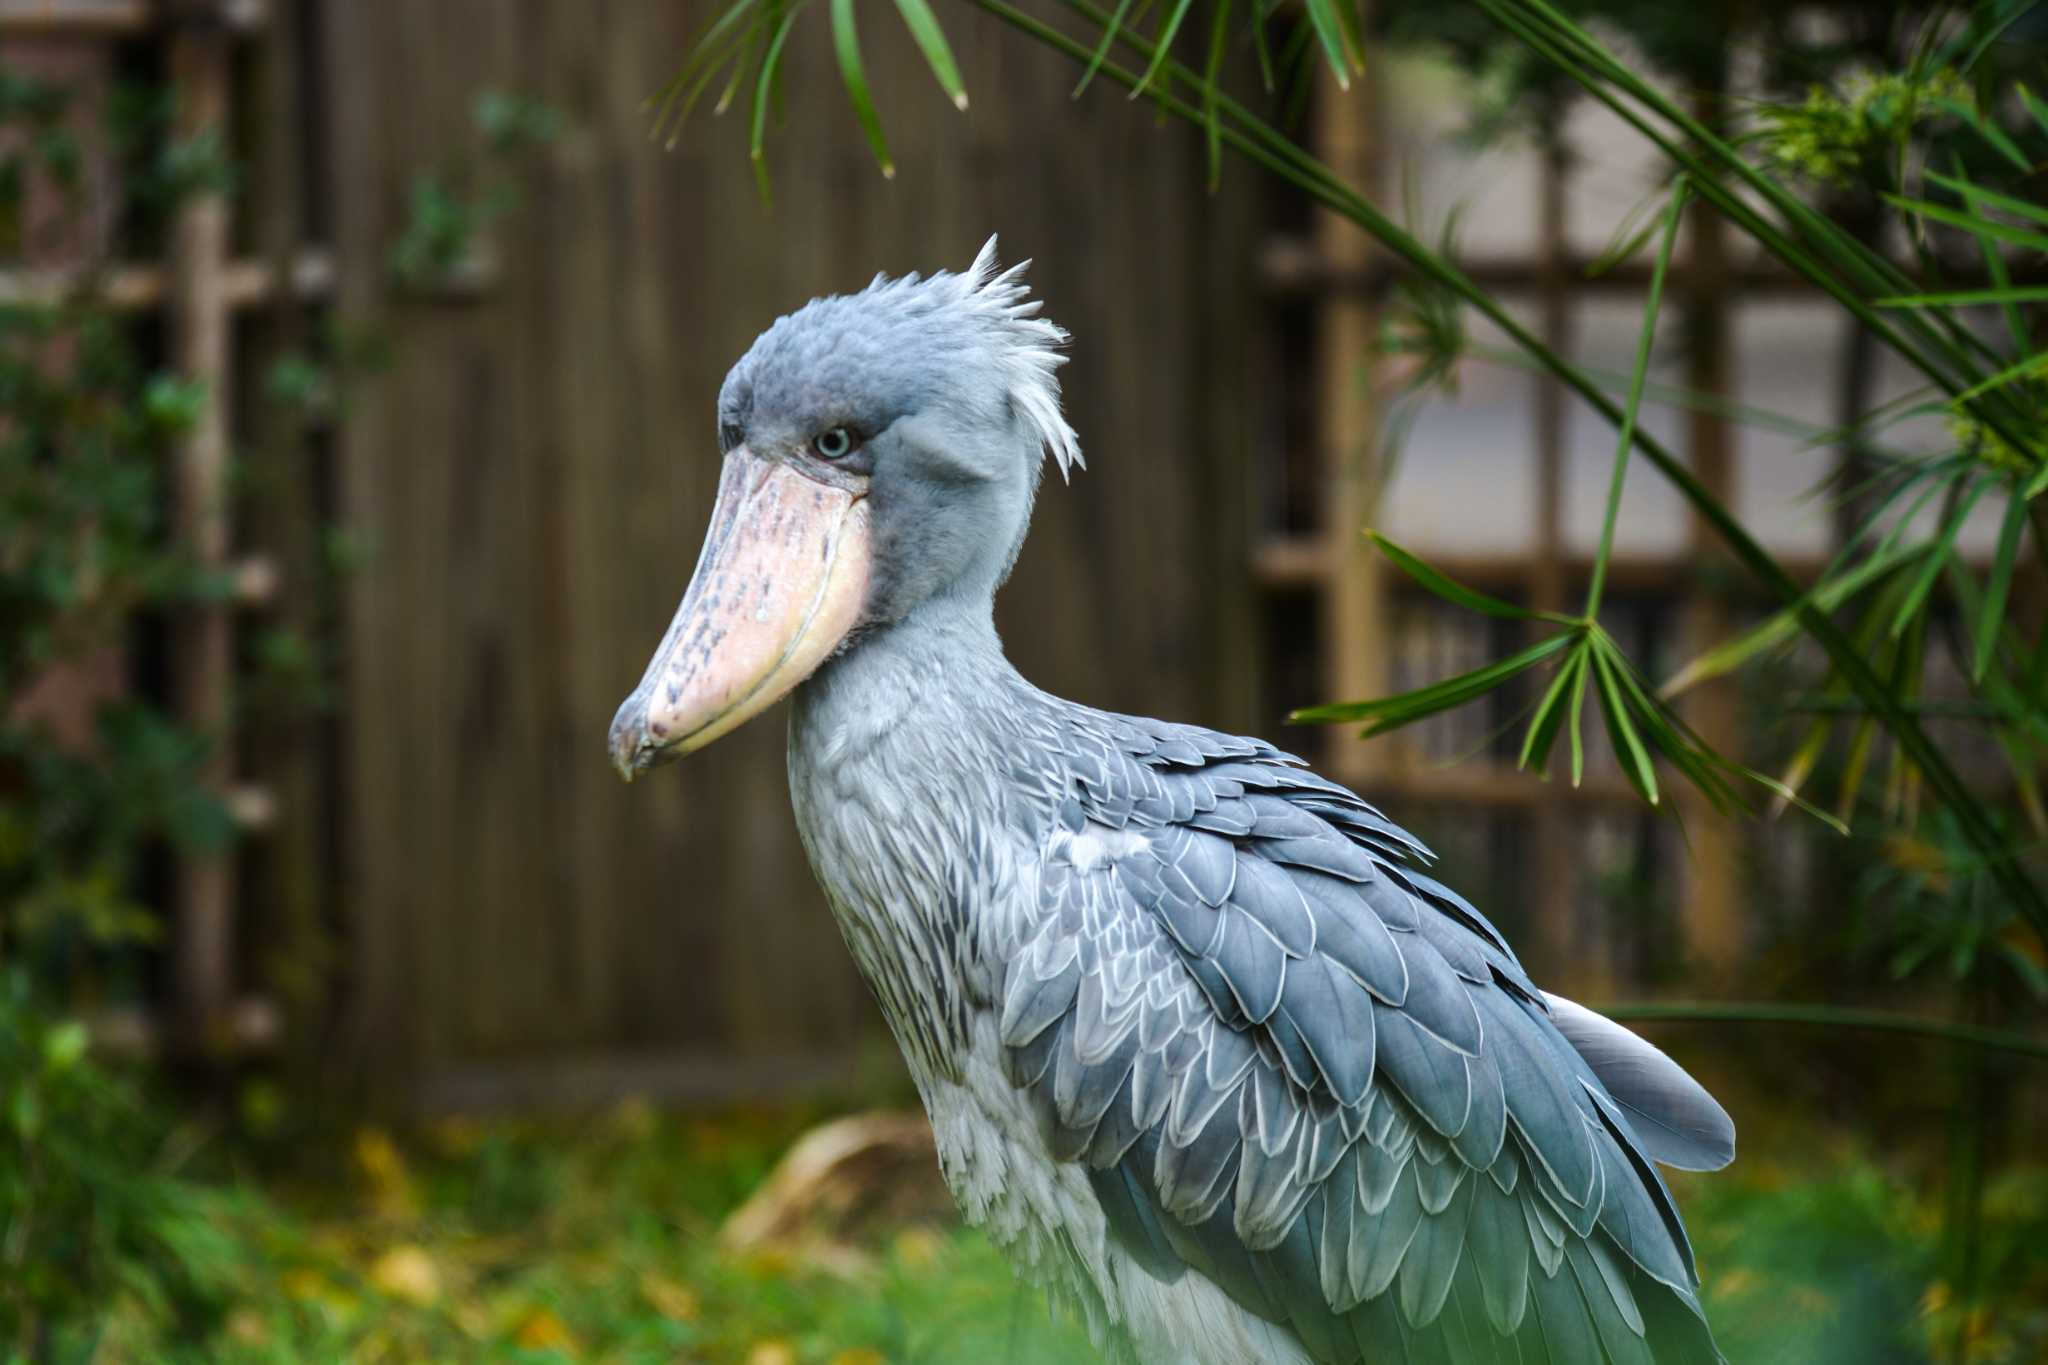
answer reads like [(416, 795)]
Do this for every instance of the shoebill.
[(1205, 1049)]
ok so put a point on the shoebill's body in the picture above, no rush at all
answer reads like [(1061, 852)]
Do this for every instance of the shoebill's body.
[(1204, 1050)]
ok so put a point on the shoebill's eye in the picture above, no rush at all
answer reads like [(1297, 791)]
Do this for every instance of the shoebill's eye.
[(835, 444)]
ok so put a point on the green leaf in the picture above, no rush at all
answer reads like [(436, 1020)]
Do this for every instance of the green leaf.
[(1625, 437), (764, 85), (2035, 106), (1261, 47), (1970, 222), (1387, 713), (1963, 298), (1636, 227), (1628, 745), (1446, 587), (1971, 191), (1162, 46), (25, 1112), (1939, 549), (1219, 35), (65, 1045), (1578, 704), (1101, 54), (1782, 626), (1992, 619), (846, 46), (2020, 369), (1989, 131), (1329, 27), (1550, 712), (1792, 798), (938, 54), (709, 52)]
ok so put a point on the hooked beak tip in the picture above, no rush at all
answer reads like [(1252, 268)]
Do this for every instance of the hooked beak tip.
[(779, 584), (635, 745)]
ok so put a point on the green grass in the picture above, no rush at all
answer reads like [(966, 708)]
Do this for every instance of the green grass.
[(586, 1241), (595, 1240)]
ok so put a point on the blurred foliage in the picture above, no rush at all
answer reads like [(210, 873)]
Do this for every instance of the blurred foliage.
[(590, 1240), (91, 777), (105, 1238), (595, 1240), (94, 1208), (452, 208)]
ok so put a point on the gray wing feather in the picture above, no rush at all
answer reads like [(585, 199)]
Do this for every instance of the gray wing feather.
[(1672, 1115), (1297, 1065)]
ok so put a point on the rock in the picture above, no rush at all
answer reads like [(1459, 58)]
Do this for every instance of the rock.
[(841, 1190)]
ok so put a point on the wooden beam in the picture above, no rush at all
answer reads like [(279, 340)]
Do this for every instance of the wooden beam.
[(140, 286), (203, 643), (251, 1025), (1353, 603), (1555, 844), (1291, 562), (92, 17), (1711, 919), (122, 18)]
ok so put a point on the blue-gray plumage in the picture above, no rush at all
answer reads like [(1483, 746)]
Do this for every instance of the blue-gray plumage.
[(1203, 1048)]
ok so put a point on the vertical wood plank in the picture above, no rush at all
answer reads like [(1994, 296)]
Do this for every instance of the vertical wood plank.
[(203, 652), (1354, 598), (290, 897), (1555, 896), (537, 471), (1712, 926)]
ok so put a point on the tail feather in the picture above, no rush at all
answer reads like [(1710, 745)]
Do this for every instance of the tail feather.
[(1672, 1115)]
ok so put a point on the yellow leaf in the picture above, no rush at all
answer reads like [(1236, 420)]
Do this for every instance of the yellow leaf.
[(407, 1273), (458, 1136), (772, 1352), (303, 1284), (635, 1119), (541, 1330), (919, 1248), (1738, 1281), (246, 1327), (383, 1170), (771, 1262), (676, 1302)]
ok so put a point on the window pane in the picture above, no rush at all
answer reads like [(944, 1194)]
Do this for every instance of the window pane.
[(1432, 169), (1652, 520), (1788, 358), (1464, 475), (1613, 172)]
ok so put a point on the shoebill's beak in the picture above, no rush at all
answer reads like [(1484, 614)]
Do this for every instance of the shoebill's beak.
[(780, 583)]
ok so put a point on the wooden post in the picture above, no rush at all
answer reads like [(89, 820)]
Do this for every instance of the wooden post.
[(203, 642), (1354, 630), (1557, 841), (1712, 924)]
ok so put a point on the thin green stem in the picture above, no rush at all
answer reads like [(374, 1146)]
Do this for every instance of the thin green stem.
[(1827, 1016), (1644, 345)]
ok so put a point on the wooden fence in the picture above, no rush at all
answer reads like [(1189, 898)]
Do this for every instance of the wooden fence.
[(536, 469)]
